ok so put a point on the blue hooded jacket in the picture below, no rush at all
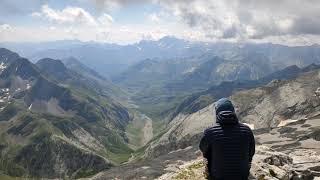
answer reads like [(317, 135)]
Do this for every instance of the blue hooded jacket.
[(228, 146)]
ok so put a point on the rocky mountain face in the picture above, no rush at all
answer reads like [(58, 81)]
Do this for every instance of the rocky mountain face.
[(197, 101), (276, 103), (52, 128)]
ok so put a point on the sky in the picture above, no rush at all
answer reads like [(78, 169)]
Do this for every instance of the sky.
[(292, 22)]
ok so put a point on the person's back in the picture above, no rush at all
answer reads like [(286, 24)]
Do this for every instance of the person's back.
[(228, 146)]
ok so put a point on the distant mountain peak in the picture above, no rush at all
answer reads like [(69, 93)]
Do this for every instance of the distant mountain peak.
[(164, 40), (51, 62), (51, 65), (7, 56), (54, 68), (170, 38)]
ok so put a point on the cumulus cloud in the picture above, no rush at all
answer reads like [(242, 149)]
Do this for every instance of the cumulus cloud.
[(248, 19), (67, 15), (238, 19), (6, 28), (154, 17)]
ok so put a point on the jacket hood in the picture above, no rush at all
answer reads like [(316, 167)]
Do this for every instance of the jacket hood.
[(227, 117), (225, 113)]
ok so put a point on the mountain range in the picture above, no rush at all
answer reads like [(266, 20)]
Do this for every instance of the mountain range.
[(112, 59), (159, 85), (56, 122), (79, 108)]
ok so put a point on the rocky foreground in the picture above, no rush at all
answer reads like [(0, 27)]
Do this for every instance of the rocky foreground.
[(288, 152), (268, 164)]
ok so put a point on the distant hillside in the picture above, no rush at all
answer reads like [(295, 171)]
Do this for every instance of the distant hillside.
[(77, 75), (154, 73), (75, 65), (197, 101)]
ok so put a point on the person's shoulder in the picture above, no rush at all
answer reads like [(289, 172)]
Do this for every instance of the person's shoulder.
[(212, 129), (245, 126)]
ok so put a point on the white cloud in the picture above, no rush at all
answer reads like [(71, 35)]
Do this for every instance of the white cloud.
[(74, 16), (285, 21), (36, 14), (6, 28), (69, 15), (105, 19), (154, 17)]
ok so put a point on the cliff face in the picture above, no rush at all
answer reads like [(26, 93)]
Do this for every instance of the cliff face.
[(280, 101)]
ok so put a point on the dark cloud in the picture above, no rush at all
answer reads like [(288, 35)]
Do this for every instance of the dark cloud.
[(254, 19)]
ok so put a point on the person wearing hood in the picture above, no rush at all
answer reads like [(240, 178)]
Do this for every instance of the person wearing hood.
[(228, 146)]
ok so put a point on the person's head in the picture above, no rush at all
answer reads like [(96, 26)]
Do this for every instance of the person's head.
[(224, 104), (225, 112)]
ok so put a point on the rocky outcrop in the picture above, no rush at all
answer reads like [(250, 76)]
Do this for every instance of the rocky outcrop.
[(267, 165)]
